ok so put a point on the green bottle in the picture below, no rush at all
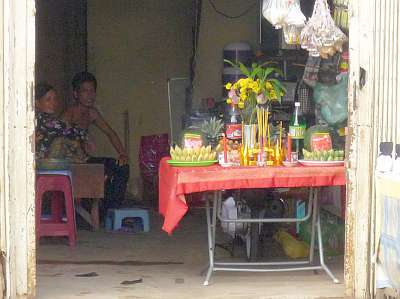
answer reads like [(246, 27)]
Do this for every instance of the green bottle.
[(297, 128)]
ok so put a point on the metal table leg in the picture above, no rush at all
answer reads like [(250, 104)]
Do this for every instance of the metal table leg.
[(313, 213), (321, 246), (211, 229), (313, 200)]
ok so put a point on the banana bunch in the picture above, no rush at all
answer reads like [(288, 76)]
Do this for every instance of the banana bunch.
[(331, 155), (192, 154)]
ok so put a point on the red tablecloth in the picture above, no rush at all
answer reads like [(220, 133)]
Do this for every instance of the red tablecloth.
[(175, 182)]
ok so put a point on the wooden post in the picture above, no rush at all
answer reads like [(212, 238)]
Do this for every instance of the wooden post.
[(373, 90), (17, 176), (359, 149)]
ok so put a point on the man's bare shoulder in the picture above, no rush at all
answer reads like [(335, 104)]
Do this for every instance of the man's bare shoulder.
[(94, 113)]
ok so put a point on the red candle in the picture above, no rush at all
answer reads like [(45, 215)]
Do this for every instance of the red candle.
[(289, 148)]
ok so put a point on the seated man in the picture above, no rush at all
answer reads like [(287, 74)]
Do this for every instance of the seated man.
[(83, 114)]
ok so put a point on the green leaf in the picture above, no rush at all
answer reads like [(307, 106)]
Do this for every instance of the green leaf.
[(276, 82), (267, 72), (230, 62), (268, 63), (277, 91), (255, 72), (244, 69), (276, 70)]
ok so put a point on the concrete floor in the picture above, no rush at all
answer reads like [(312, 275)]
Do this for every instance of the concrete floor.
[(169, 266)]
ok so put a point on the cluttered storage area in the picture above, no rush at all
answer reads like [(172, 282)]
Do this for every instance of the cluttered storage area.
[(234, 131), (270, 150)]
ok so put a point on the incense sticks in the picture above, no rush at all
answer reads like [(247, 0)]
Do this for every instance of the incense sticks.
[(257, 146)]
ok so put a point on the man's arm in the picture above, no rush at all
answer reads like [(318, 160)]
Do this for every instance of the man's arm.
[(102, 124)]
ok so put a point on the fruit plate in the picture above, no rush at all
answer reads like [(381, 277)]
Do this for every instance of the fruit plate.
[(321, 163), (290, 164), (190, 163)]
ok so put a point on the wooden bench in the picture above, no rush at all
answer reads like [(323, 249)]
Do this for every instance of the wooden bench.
[(88, 183)]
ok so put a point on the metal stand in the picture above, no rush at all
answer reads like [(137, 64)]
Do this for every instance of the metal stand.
[(313, 211)]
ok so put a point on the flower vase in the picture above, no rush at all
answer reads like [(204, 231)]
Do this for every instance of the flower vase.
[(249, 141)]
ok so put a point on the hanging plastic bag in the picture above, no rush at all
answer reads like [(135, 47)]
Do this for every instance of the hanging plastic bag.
[(285, 14), (329, 70), (292, 34), (310, 76), (332, 101), (295, 17), (320, 36), (293, 23), (275, 11)]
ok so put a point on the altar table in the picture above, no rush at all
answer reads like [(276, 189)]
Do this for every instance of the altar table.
[(175, 182)]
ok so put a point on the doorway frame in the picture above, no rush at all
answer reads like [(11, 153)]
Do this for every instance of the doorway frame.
[(17, 176)]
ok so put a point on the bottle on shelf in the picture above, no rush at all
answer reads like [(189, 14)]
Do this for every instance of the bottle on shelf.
[(297, 128), (233, 123), (396, 162), (384, 163)]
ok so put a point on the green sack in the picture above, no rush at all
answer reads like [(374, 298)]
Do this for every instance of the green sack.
[(332, 100), (333, 231)]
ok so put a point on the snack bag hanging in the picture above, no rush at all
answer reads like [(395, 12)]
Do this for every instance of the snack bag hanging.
[(295, 17), (320, 36), (285, 14), (275, 11)]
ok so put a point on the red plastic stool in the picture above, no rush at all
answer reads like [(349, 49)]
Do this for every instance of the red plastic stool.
[(54, 226)]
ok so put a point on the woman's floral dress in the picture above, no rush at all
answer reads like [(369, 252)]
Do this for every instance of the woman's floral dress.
[(48, 128)]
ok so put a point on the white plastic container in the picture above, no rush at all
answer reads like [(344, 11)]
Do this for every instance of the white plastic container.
[(384, 162), (396, 162), (238, 52)]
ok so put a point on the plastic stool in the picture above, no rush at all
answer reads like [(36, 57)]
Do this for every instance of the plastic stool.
[(116, 216), (55, 226)]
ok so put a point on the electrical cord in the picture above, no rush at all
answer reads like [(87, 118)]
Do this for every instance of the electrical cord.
[(229, 16)]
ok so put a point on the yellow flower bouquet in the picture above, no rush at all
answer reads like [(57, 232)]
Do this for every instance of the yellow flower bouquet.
[(259, 87)]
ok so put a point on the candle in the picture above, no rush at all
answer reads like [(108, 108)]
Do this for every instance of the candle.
[(260, 128), (278, 156), (265, 125), (289, 148), (225, 150), (245, 155), (262, 142), (253, 136)]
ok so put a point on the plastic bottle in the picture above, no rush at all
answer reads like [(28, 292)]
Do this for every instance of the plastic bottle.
[(384, 163), (396, 162), (297, 129)]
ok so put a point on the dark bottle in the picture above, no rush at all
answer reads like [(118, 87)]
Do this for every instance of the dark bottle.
[(297, 128)]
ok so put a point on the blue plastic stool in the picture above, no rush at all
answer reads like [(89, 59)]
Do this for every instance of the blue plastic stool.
[(116, 216)]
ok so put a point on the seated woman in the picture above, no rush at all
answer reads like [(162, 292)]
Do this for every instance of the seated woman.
[(54, 138)]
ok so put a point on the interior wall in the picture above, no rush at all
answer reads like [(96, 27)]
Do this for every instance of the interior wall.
[(60, 43), (134, 46), (216, 31)]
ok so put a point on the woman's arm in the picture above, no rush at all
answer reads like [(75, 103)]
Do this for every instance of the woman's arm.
[(67, 116)]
